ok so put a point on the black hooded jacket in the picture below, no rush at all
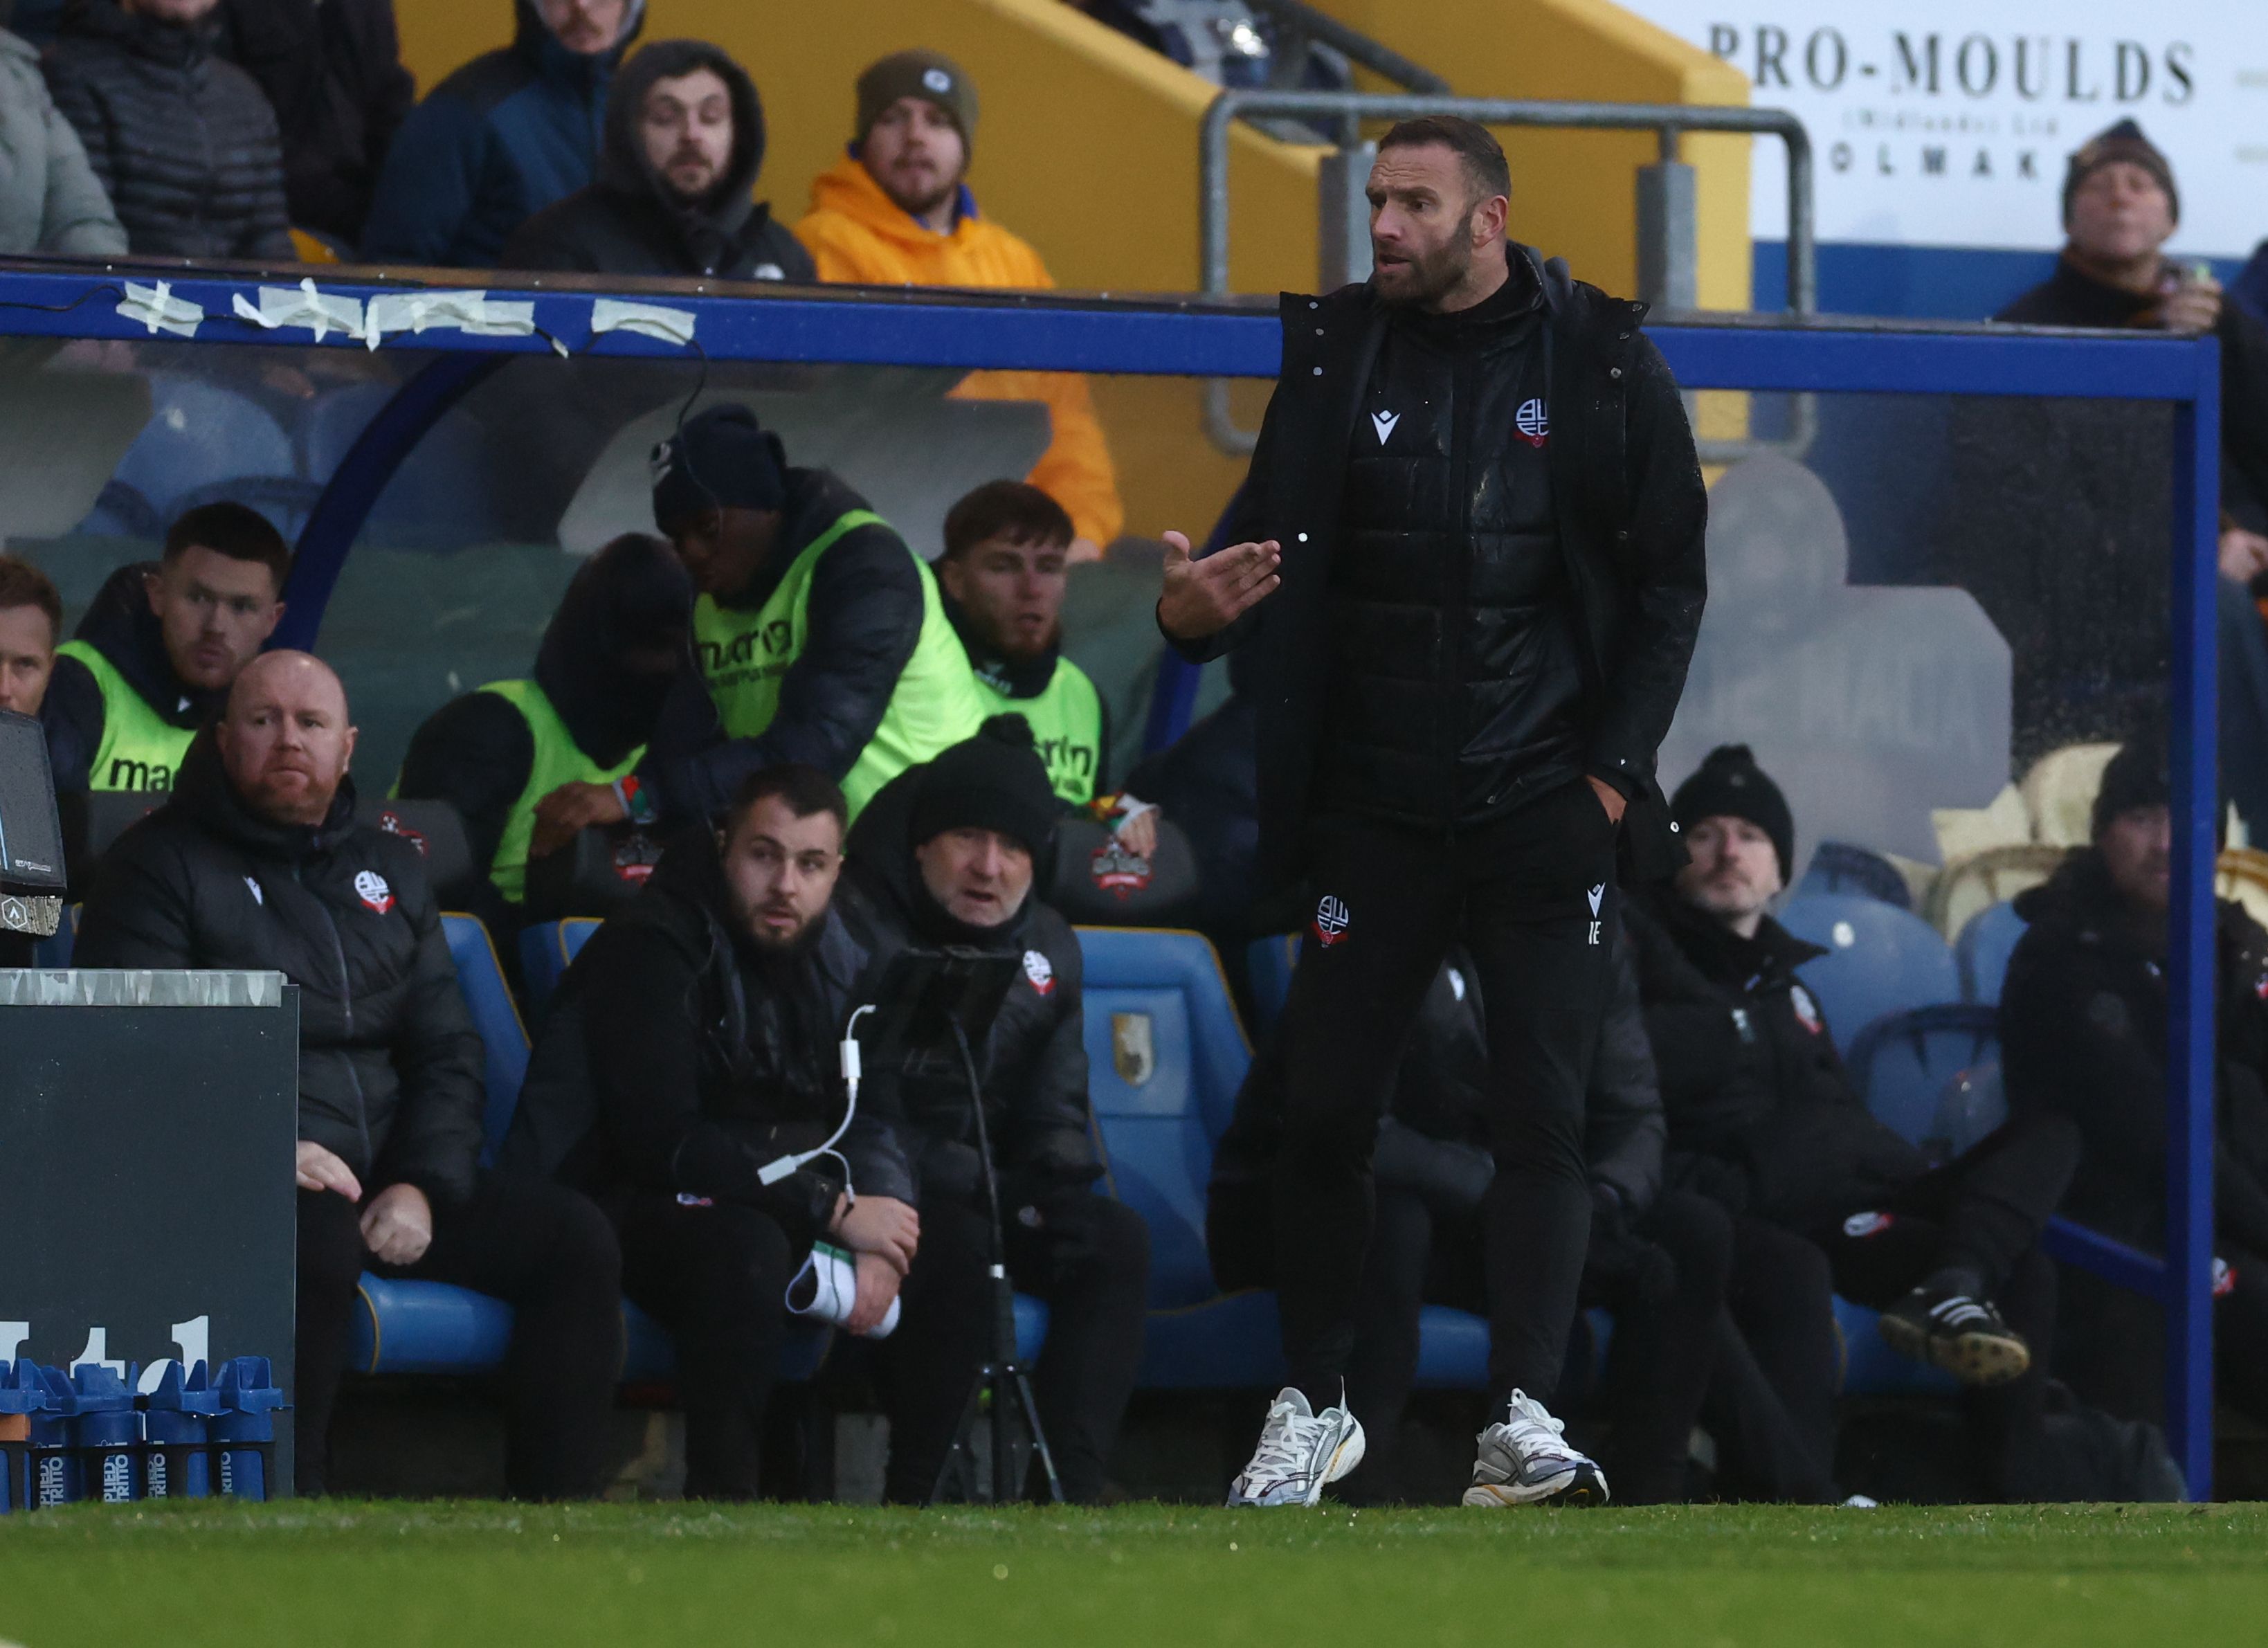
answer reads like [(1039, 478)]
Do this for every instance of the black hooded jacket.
[(1627, 507), (2083, 1027), (1033, 1067), (1762, 1118), (476, 752), (119, 625), (390, 1065), (679, 1056), (631, 222), (184, 142)]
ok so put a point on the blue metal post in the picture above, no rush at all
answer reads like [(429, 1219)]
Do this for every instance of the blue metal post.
[(2187, 1281), (354, 488)]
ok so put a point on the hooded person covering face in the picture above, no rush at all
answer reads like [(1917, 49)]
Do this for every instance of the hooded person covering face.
[(602, 672), (633, 220)]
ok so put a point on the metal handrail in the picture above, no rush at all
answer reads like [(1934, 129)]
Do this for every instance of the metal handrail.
[(1669, 121)]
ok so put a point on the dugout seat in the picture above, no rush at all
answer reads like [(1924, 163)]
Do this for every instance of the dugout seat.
[(2059, 793), (546, 952), (1842, 867), (1904, 1066), (1880, 959), (504, 1037), (1967, 887), (1871, 1368), (1988, 938)]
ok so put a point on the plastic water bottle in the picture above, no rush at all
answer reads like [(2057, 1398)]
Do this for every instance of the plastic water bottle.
[(176, 1426), (244, 1427), (109, 1434), (53, 1459), (21, 1395)]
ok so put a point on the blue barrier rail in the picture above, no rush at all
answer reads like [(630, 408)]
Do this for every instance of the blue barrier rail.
[(1225, 340)]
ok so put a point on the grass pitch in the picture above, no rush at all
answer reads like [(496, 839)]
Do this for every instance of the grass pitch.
[(396, 1575)]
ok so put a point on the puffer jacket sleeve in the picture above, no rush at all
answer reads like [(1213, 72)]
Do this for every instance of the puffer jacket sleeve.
[(256, 156), (75, 217), (435, 1142), (140, 912), (1667, 567), (79, 101)]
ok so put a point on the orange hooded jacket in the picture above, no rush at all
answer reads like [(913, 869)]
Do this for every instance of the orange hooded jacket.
[(859, 235)]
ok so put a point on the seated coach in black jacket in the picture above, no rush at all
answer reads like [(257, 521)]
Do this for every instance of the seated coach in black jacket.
[(692, 1046), (947, 854), (257, 862)]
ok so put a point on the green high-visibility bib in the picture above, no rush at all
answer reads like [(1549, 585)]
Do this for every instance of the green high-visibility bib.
[(559, 759), (745, 656), (140, 749), (1066, 721)]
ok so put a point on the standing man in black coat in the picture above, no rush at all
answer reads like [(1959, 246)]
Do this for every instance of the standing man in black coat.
[(674, 194), (183, 142), (1470, 555), (947, 855), (258, 863)]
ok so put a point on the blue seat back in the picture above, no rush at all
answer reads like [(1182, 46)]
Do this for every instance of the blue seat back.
[(1906, 1066), (1268, 966), (201, 437), (1840, 867), (1880, 959), (546, 952), (1166, 1055), (481, 976), (1986, 942)]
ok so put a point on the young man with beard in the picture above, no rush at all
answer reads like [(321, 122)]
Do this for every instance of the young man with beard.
[(897, 211), (691, 1049), (2083, 1018), (1469, 557), (684, 144), (1764, 1118), (511, 754), (947, 855), (258, 863), (157, 649), (819, 637)]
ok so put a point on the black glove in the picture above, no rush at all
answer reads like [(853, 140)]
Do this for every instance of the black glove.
[(1624, 1269)]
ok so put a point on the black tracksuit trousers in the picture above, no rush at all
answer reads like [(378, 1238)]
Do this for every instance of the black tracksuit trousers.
[(1533, 897), (1088, 1257), (542, 1249)]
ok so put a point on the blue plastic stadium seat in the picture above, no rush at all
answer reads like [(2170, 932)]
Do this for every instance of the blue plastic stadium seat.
[(1268, 968), (204, 441), (1840, 867), (1904, 1065), (1871, 1368), (1880, 959), (480, 975), (1987, 940), (546, 951)]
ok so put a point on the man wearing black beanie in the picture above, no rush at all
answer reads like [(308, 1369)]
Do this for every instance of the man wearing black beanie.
[(819, 637), (948, 854), (1764, 1117), (2083, 1023)]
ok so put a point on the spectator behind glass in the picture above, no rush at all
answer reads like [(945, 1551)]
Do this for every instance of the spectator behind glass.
[(512, 755), (2083, 1027), (947, 855), (511, 132), (50, 200), (184, 142), (332, 71), (258, 862), (2250, 286), (692, 1043), (158, 647), (897, 212), (684, 144), (1764, 1118), (30, 619), (2120, 208)]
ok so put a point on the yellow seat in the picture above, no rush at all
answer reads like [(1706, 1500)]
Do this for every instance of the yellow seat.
[(2242, 873), (1983, 879), (2059, 793)]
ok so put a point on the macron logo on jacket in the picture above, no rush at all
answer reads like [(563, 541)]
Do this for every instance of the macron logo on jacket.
[(1384, 422)]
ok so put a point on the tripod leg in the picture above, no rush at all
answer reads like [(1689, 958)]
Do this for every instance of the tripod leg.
[(960, 1459), (1031, 1411)]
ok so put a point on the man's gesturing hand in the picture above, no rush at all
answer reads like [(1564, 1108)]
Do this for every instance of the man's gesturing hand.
[(1203, 598)]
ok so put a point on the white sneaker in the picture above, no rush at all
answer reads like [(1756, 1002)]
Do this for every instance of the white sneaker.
[(1524, 1461), (1300, 1452)]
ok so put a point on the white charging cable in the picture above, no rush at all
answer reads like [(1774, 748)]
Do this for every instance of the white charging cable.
[(773, 1172)]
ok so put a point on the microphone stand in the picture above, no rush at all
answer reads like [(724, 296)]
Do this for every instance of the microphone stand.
[(1001, 1383)]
